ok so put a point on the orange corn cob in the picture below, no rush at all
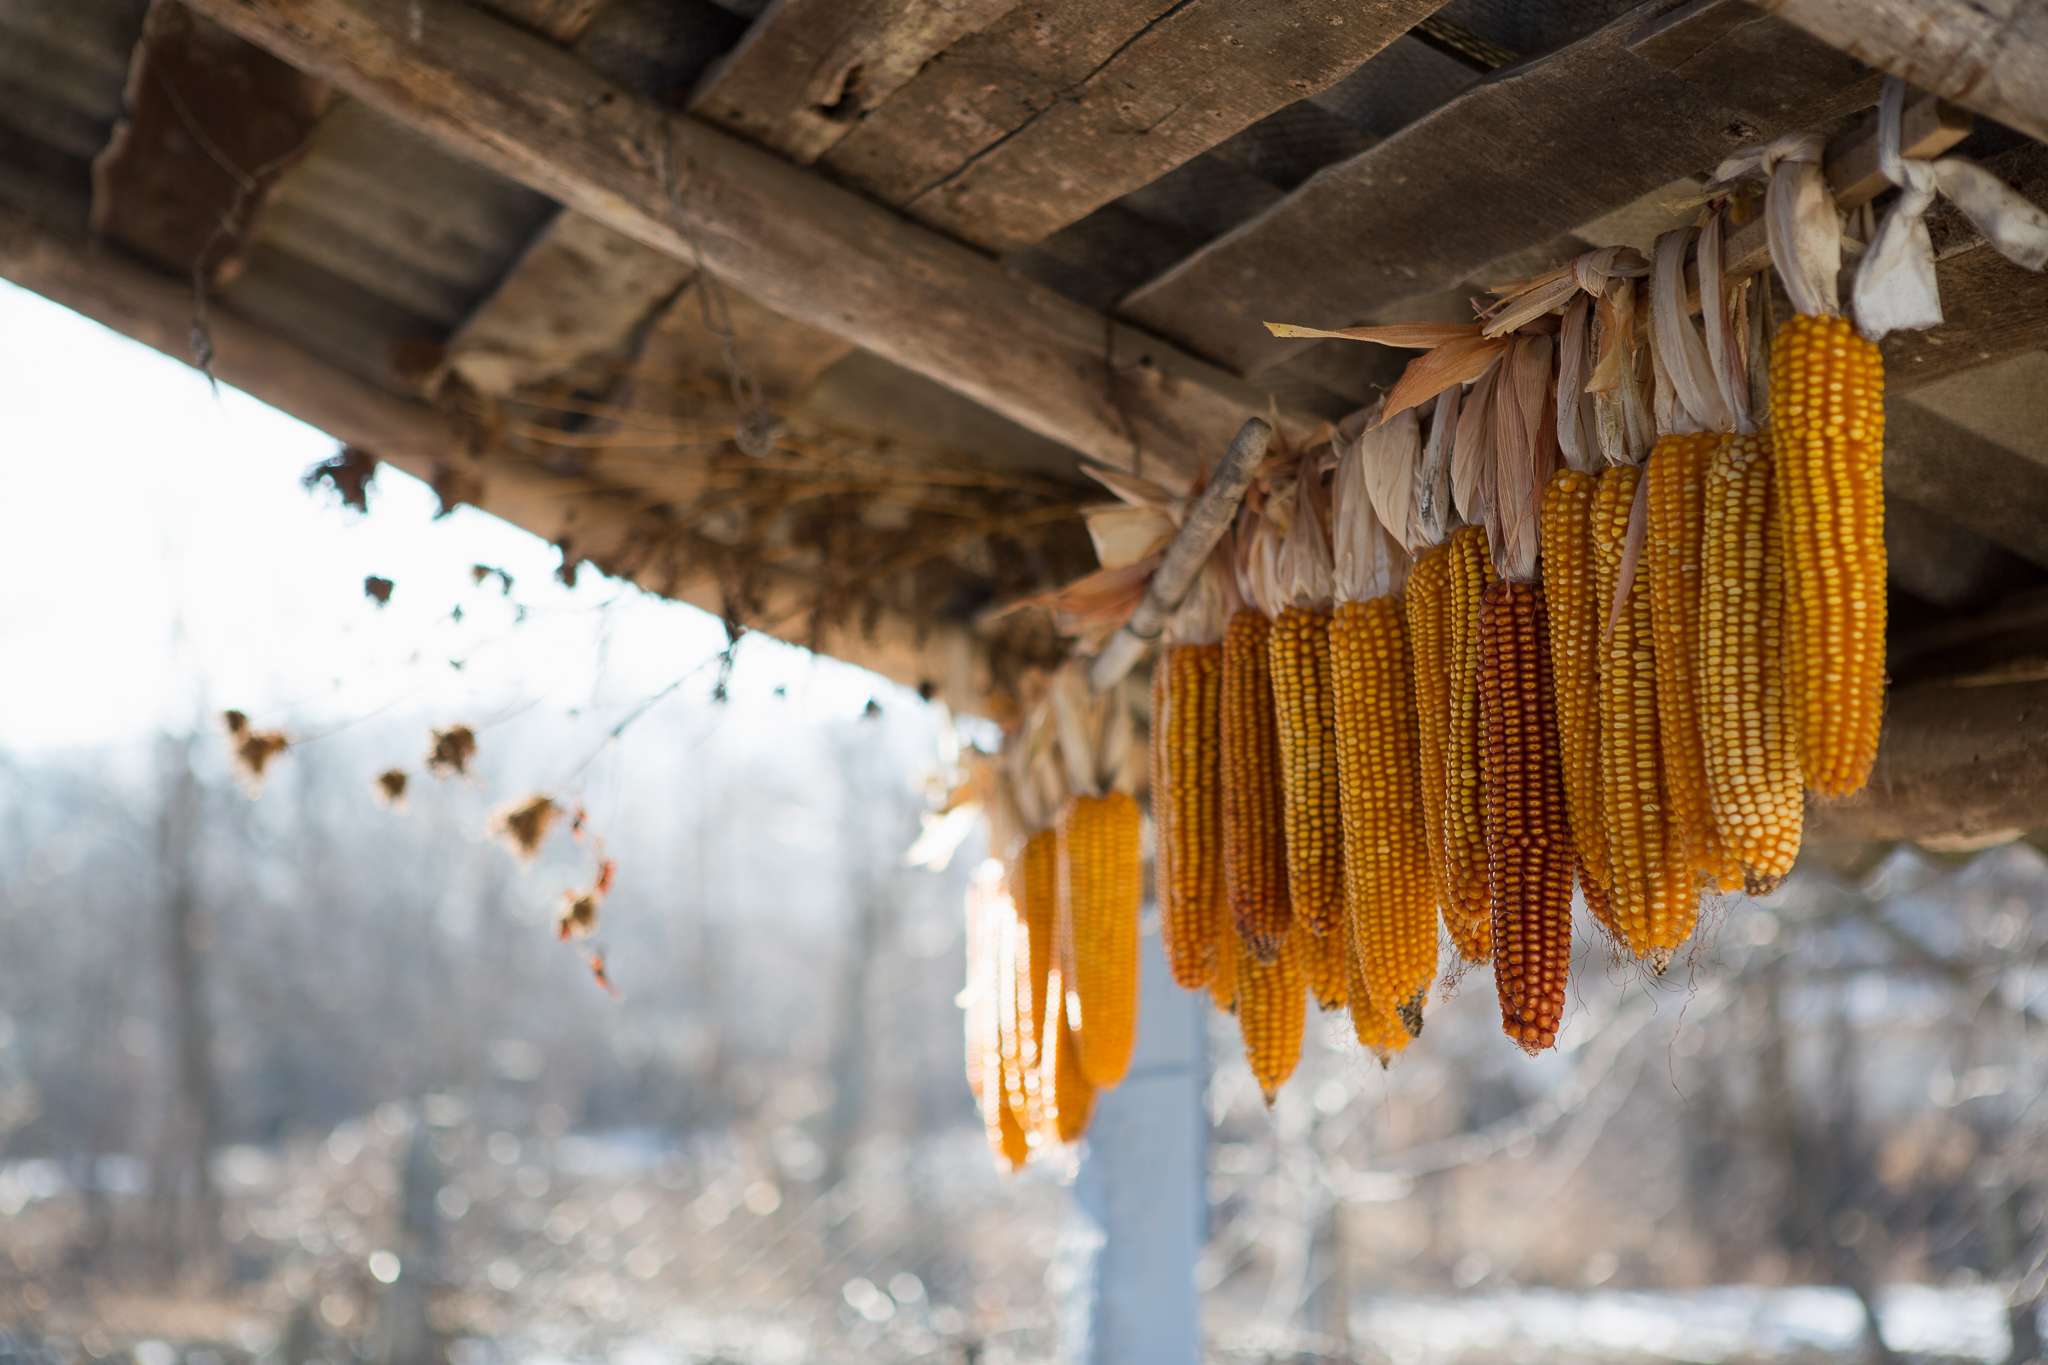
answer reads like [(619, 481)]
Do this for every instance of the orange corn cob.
[(1035, 887), (1827, 428), (1578, 617), (1187, 807), (1654, 895), (1390, 902), (1003, 1113), (1382, 1032), (1752, 759), (1325, 966), (1223, 985), (1528, 836), (1065, 1097), (1100, 890), (1671, 554), (1466, 911), (1298, 648), (1272, 1013), (1426, 600), (1254, 842)]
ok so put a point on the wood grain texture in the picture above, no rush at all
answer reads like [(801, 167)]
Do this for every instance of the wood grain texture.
[(1529, 154), (807, 249), (605, 525), (1973, 479), (1030, 156), (1956, 763), (1987, 55), (808, 70), (211, 123)]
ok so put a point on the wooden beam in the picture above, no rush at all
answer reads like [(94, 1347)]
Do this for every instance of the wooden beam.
[(808, 71), (1533, 152), (803, 247), (210, 123), (1987, 55), (1178, 82), (606, 526), (1956, 765)]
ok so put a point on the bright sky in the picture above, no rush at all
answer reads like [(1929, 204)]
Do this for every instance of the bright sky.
[(157, 553)]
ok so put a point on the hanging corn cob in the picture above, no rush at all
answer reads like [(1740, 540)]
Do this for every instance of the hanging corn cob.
[(1272, 1014), (1389, 894), (1187, 777), (1529, 846), (1753, 780), (1827, 437), (1426, 613), (1326, 966), (1065, 1097), (990, 961), (1467, 910), (1100, 880), (1303, 708), (1223, 985), (1703, 408), (1254, 838)]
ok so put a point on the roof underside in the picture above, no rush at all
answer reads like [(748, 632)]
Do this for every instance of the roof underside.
[(1184, 168)]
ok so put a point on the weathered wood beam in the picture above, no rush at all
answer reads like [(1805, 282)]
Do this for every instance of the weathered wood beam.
[(805, 248), (211, 122), (604, 525), (808, 71), (1089, 101), (1956, 765), (1987, 55), (1533, 152)]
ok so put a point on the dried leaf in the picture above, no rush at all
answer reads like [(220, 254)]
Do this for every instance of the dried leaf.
[(377, 589), (1307, 563), (235, 722), (524, 824), (1631, 553), (1472, 471), (595, 961), (1134, 491), (1429, 374), (1522, 454), (1124, 534), (253, 750), (349, 472), (1680, 353), (606, 870), (1724, 354), (578, 916), (1414, 336), (450, 751), (1375, 492), (1805, 234), (1433, 512), (390, 786)]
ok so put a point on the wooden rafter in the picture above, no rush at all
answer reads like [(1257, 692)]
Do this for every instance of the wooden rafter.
[(810, 250), (1520, 160)]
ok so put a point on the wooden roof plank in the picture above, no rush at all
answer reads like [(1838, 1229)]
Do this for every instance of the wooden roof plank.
[(808, 70), (1532, 152), (1987, 55), (805, 248), (1198, 74)]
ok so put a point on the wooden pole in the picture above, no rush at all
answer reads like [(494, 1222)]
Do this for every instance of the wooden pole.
[(1192, 544)]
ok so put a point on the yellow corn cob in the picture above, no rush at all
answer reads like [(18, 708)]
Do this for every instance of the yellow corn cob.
[(1254, 842), (1653, 895), (1223, 985), (1466, 912), (1382, 1032), (1035, 887), (1003, 1113), (1577, 618), (1827, 428), (1390, 904), (1299, 650), (1752, 759), (1065, 1097), (1325, 966), (1426, 599), (1099, 861), (1671, 553), (1009, 1040), (1272, 1013), (1530, 856), (1188, 808)]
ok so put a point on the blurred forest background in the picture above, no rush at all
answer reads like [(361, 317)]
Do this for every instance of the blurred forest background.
[(308, 1078)]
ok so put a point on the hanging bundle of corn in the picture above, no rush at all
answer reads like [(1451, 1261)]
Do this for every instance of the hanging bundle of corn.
[(1303, 710), (1827, 439), (1254, 837), (1272, 1013), (1032, 778), (1187, 776), (1389, 894), (1100, 877), (1529, 846)]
